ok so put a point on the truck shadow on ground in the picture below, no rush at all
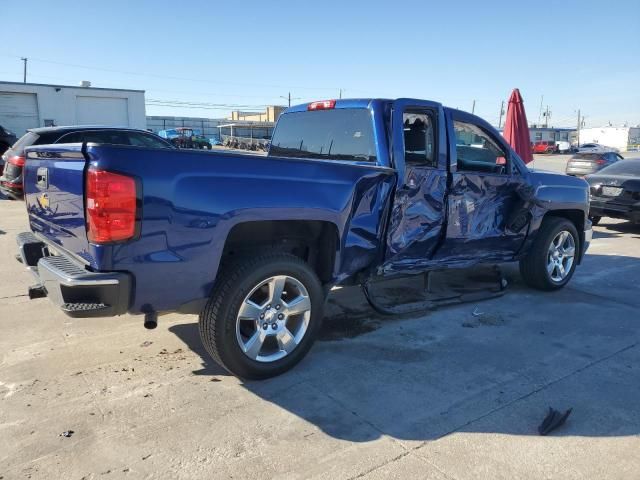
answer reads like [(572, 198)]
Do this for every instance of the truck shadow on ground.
[(493, 366), (616, 229)]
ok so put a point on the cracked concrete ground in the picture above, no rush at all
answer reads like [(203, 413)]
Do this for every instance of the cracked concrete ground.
[(444, 395)]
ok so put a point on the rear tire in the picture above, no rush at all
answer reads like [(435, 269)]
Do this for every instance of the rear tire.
[(548, 267), (241, 304)]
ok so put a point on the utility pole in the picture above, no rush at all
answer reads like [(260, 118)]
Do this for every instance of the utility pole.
[(473, 107), (546, 115), (288, 98), (24, 59), (540, 111), (501, 113), (578, 131)]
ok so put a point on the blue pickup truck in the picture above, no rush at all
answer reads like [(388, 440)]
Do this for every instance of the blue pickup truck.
[(350, 190)]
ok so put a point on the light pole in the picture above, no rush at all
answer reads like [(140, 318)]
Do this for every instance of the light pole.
[(24, 59)]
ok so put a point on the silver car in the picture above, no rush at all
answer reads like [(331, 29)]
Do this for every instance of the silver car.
[(582, 164)]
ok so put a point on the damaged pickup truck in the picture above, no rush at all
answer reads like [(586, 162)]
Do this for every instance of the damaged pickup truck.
[(351, 190)]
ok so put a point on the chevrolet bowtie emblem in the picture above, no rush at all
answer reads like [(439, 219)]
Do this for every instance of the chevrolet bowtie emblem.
[(43, 200)]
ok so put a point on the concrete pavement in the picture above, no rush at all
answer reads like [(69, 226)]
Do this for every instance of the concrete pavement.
[(444, 395)]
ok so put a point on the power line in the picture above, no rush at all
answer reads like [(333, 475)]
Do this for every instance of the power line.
[(170, 77)]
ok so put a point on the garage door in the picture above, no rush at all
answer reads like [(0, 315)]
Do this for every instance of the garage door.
[(18, 111), (102, 111)]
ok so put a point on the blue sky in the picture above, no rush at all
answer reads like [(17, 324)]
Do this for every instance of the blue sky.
[(242, 55)]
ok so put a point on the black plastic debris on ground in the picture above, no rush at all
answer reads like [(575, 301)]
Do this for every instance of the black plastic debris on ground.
[(553, 420), (67, 433)]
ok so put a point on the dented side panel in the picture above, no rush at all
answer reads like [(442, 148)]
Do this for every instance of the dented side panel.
[(480, 207), (417, 219)]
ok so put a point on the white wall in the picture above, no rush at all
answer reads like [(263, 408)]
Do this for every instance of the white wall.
[(59, 103), (616, 137)]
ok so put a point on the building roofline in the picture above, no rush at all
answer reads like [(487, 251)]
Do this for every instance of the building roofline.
[(2, 82)]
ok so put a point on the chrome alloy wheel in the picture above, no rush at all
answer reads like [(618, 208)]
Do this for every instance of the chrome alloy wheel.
[(273, 318), (561, 255)]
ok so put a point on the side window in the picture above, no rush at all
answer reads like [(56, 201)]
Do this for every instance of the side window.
[(74, 137), (477, 151), (419, 145), (141, 140)]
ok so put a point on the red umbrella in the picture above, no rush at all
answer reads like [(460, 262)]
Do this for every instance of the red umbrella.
[(516, 128)]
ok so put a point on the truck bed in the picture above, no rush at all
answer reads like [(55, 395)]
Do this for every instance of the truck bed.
[(189, 201)]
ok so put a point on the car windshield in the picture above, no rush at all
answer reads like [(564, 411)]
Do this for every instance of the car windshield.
[(623, 167), (338, 134)]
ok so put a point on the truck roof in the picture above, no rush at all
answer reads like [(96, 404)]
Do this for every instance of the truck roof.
[(341, 103)]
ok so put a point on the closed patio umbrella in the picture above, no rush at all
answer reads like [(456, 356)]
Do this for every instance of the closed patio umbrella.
[(516, 128)]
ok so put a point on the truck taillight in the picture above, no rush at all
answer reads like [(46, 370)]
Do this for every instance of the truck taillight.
[(17, 160), (111, 206), (322, 105)]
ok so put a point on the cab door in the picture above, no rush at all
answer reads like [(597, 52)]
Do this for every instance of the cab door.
[(487, 201), (418, 213)]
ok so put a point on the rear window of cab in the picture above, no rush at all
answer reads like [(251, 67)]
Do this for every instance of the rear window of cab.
[(336, 134)]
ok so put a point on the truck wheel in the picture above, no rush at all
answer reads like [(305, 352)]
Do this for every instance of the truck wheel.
[(263, 315), (552, 260)]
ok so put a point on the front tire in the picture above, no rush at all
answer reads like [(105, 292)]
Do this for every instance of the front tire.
[(551, 261), (263, 315)]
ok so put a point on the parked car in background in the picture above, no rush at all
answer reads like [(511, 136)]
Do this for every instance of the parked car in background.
[(14, 157), (7, 138), (563, 146), (545, 146), (582, 164), (615, 191), (595, 148)]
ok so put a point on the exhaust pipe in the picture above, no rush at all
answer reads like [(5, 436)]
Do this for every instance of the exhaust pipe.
[(150, 320), (37, 291)]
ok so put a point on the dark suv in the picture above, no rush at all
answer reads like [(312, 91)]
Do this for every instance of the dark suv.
[(11, 179)]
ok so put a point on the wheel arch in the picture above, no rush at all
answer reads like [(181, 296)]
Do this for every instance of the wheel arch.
[(315, 241)]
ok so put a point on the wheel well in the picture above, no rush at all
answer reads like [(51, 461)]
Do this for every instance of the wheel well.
[(316, 242), (574, 216)]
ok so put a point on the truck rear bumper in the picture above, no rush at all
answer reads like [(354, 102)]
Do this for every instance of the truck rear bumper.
[(78, 292)]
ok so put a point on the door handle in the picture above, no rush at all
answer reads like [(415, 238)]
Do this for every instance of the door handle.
[(42, 180)]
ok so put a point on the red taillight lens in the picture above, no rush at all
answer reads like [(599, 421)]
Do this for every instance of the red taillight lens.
[(601, 161), (322, 105), (111, 206), (17, 160)]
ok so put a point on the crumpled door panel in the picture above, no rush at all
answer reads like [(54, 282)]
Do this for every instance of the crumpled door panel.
[(416, 221), (480, 209)]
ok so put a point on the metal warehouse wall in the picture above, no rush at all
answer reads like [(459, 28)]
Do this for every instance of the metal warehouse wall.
[(31, 105)]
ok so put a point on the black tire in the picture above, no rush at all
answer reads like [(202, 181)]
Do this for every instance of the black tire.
[(533, 267), (595, 220), (235, 281)]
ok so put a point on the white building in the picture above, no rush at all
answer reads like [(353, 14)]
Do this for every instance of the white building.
[(31, 105), (622, 138)]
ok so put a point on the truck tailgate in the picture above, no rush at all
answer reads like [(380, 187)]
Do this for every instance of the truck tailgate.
[(53, 185)]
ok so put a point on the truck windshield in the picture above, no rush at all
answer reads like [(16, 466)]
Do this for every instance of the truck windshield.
[(339, 134)]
